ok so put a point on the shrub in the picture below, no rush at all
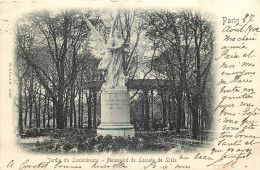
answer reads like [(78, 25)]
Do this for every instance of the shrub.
[(30, 133), (89, 141), (134, 144), (68, 146)]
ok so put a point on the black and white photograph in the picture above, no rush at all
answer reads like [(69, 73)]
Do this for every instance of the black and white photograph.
[(129, 85), (114, 81)]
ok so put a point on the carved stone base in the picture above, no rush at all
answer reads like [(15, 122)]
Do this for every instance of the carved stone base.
[(115, 130), (115, 113)]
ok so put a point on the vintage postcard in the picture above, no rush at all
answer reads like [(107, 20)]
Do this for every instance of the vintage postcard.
[(129, 85)]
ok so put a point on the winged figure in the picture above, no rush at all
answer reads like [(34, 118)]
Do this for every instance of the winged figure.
[(112, 60)]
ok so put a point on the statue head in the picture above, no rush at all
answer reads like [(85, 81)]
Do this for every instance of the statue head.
[(118, 34)]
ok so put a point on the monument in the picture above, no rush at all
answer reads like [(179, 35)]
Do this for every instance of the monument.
[(115, 98)]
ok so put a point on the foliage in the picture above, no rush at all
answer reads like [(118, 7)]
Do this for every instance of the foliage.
[(34, 132), (85, 141), (30, 133), (185, 41), (82, 141)]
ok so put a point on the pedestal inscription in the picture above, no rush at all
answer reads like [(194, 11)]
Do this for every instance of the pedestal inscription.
[(115, 113), (116, 106)]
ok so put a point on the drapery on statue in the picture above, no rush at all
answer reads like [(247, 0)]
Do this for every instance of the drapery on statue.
[(112, 60)]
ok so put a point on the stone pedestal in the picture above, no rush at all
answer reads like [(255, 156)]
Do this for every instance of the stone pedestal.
[(115, 113)]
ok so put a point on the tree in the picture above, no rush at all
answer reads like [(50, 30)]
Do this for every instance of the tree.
[(50, 44), (21, 71), (184, 39), (203, 45)]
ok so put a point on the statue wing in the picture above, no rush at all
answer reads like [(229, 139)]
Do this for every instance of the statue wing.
[(98, 40)]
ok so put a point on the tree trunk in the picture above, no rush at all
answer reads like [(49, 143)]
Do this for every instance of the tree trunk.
[(20, 122), (72, 105), (79, 108), (66, 112), (30, 102), (89, 110), (174, 112), (48, 112), (195, 125), (182, 100), (39, 107), (59, 104), (164, 107), (147, 117), (71, 114), (59, 110), (202, 123), (190, 121), (54, 113), (36, 110), (82, 108), (26, 108), (80, 124), (44, 112), (152, 104), (95, 109), (179, 113), (142, 112), (183, 117), (170, 114)]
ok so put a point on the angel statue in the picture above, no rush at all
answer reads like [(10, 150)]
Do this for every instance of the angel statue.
[(112, 61)]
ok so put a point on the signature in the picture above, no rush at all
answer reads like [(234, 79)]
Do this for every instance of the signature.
[(226, 159)]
